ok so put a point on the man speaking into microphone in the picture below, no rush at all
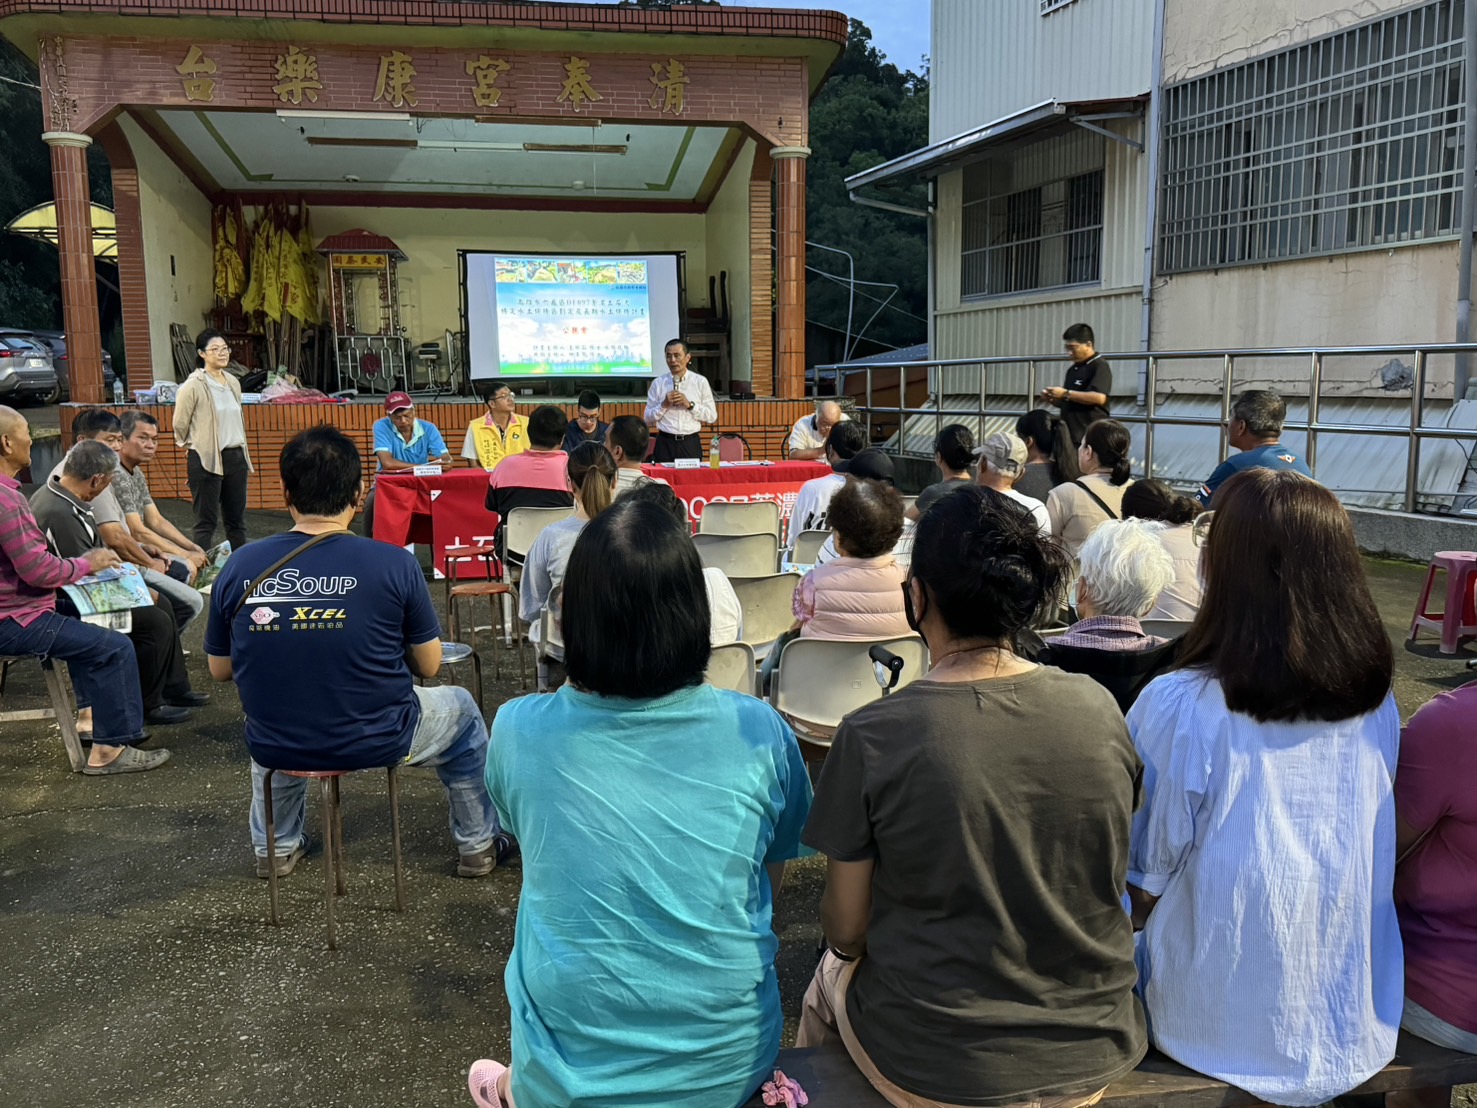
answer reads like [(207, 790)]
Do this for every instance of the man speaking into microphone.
[(678, 403)]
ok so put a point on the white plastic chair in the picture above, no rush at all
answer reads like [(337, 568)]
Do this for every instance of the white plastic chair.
[(1165, 628), (524, 525), (732, 667), (808, 547), (739, 555), (768, 605), (757, 517), (819, 681)]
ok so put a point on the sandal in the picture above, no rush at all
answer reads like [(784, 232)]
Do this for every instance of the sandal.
[(131, 760), (482, 1082)]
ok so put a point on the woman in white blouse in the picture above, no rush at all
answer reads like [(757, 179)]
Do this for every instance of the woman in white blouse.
[(1153, 499), (208, 423), (1262, 857), (1077, 507)]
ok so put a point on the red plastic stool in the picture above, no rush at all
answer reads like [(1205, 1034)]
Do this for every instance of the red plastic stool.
[(333, 839), (1457, 620)]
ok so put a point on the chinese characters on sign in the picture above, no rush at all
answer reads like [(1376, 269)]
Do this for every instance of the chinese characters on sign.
[(577, 88), (358, 261), (670, 94), (297, 76), (394, 86), (485, 72), (196, 72)]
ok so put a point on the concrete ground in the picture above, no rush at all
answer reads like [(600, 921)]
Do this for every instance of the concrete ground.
[(138, 969)]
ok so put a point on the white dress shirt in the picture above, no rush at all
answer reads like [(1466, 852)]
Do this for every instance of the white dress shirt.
[(681, 421), (805, 435)]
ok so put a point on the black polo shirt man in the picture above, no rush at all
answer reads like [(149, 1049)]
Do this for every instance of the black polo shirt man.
[(1084, 396)]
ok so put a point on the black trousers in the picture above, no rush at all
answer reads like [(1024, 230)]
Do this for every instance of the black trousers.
[(671, 447), (161, 659), (219, 494)]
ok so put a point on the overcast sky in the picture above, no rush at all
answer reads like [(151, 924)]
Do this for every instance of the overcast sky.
[(899, 29)]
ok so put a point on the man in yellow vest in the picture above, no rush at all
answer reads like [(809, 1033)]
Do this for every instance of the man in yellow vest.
[(500, 434)]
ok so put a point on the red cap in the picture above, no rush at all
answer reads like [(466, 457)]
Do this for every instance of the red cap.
[(398, 402)]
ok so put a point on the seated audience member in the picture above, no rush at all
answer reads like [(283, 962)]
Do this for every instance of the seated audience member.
[(590, 475), (1153, 499), (953, 452), (330, 684), (1436, 878), (1051, 455), (101, 662), (627, 440), (807, 441), (149, 528), (536, 478), (669, 850), (1263, 854), (872, 464), (845, 441), (725, 612), (1002, 461), (499, 434), (167, 575), (856, 596), (1255, 430), (976, 829), (1124, 569), (62, 510), (586, 426), (402, 442), (1078, 507)]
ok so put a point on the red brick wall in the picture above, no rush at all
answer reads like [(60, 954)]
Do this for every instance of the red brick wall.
[(765, 424)]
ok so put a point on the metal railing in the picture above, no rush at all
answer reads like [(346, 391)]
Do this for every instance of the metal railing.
[(1413, 431)]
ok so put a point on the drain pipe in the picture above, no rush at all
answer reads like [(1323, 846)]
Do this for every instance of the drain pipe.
[(1151, 215), (1469, 199)]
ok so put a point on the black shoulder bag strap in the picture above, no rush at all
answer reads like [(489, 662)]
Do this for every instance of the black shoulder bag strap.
[(278, 564), (1098, 500)]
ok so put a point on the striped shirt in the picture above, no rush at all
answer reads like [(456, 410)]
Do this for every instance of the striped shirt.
[(29, 573), (1116, 634)]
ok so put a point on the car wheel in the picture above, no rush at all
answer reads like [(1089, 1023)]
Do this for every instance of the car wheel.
[(52, 397)]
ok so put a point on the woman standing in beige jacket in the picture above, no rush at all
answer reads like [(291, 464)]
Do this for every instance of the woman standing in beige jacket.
[(208, 423)]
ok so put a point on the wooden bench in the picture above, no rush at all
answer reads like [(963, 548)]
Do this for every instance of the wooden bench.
[(63, 705), (831, 1080)]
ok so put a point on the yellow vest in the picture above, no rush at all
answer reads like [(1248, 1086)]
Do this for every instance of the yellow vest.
[(494, 445)]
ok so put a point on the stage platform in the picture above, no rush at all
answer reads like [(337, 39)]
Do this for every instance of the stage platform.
[(765, 424)]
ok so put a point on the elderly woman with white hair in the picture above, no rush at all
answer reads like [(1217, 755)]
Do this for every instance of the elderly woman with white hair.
[(1124, 568)]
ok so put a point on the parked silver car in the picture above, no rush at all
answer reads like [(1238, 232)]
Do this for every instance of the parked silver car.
[(57, 341), (27, 371)]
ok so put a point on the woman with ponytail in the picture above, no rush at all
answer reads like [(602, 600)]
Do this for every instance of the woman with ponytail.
[(1051, 455), (1153, 499), (591, 474), (1078, 507)]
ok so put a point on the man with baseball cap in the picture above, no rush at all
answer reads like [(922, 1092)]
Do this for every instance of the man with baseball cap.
[(1002, 460), (402, 442)]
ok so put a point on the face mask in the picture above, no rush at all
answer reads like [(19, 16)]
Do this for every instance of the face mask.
[(908, 612)]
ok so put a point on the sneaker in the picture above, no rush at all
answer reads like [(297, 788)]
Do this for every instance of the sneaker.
[(286, 863), (477, 865), (508, 851)]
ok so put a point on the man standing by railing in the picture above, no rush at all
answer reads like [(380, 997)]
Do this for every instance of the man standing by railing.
[(1085, 396)]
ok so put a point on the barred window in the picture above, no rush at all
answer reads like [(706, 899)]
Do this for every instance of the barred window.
[(1043, 237), (1049, 6), (1347, 142)]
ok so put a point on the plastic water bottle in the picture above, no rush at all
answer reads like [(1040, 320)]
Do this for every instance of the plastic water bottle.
[(715, 456), (117, 390)]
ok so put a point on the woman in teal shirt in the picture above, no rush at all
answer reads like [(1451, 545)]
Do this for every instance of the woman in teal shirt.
[(655, 814)]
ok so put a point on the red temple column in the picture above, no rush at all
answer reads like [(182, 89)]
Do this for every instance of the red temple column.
[(79, 277), (789, 268)]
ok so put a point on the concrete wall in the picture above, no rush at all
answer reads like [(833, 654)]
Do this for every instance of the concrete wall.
[(992, 58), (727, 244), (1202, 35), (177, 253)]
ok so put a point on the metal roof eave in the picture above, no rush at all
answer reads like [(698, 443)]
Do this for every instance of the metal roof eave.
[(968, 146)]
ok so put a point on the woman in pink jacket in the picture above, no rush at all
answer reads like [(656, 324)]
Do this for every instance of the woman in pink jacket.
[(858, 596)]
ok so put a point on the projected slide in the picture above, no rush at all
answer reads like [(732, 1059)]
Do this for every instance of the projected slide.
[(570, 316)]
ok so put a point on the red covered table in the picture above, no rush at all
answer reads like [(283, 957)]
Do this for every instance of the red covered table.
[(703, 485), (446, 510)]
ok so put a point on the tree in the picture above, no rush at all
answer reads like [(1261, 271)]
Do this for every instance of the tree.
[(869, 112)]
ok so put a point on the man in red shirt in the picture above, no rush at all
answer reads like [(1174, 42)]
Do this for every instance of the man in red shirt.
[(536, 478), (103, 666)]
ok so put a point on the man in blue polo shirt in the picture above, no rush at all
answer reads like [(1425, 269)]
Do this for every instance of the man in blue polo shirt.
[(402, 442), (324, 643), (1255, 430)]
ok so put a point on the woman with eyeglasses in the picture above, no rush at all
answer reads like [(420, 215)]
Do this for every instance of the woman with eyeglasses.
[(208, 423), (1263, 854)]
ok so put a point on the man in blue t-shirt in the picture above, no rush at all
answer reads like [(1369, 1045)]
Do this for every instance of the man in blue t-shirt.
[(1256, 426), (402, 442), (324, 650)]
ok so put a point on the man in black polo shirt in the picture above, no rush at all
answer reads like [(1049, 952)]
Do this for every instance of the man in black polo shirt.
[(1084, 396)]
